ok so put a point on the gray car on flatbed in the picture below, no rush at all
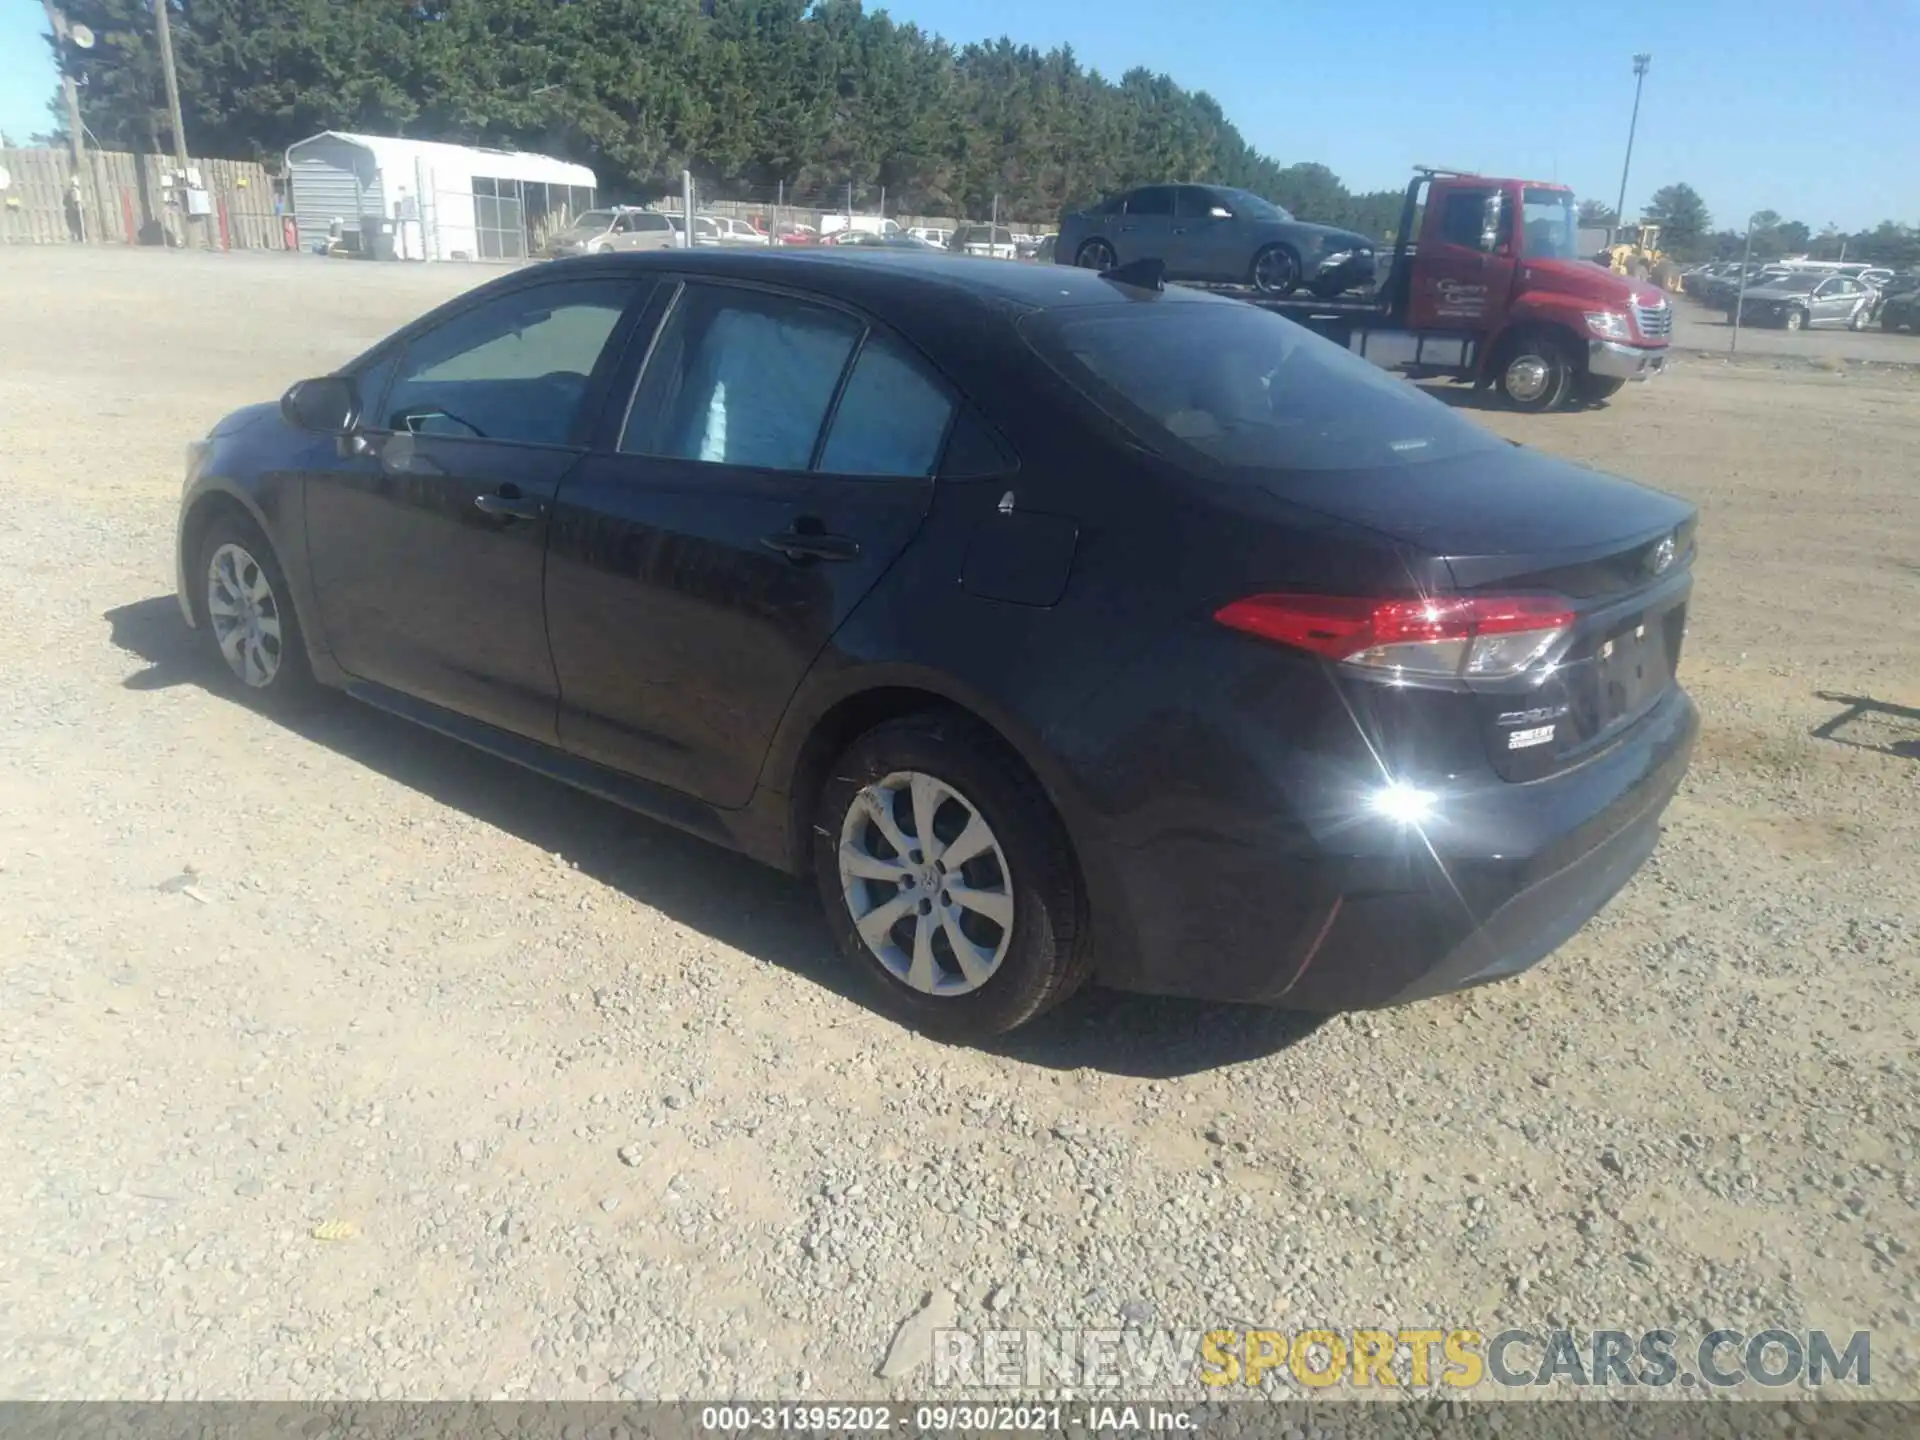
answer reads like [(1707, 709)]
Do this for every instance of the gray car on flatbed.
[(1217, 234)]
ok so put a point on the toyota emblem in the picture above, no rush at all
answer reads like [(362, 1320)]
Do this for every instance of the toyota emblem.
[(1662, 556)]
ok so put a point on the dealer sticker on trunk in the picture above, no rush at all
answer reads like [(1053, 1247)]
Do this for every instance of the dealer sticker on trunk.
[(1521, 739)]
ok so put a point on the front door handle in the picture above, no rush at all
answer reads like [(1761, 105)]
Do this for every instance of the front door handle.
[(808, 545), (509, 506)]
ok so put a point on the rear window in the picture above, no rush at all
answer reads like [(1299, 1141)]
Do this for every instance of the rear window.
[(1229, 385)]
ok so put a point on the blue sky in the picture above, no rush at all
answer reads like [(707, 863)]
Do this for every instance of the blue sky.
[(1809, 109)]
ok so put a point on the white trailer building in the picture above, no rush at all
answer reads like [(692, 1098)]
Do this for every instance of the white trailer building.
[(424, 200)]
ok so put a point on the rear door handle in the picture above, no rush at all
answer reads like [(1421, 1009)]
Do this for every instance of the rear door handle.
[(509, 507), (806, 545)]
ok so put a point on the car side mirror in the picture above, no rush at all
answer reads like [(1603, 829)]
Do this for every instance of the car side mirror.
[(327, 405)]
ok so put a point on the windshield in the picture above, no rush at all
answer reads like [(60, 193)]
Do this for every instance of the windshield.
[(1228, 385), (593, 220), (1548, 221), (1248, 203)]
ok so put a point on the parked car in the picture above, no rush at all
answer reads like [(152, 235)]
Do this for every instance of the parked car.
[(795, 233), (1235, 668), (932, 234), (994, 242), (729, 231), (861, 240), (623, 227), (1043, 252), (1721, 289), (1212, 233), (1804, 301), (1898, 305)]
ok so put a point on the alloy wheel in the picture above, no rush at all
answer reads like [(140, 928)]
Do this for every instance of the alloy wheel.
[(245, 615), (926, 883), (1096, 255)]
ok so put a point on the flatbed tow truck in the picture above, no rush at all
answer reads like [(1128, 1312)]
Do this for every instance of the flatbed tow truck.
[(1487, 286)]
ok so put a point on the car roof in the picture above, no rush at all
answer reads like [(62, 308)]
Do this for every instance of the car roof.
[(884, 278)]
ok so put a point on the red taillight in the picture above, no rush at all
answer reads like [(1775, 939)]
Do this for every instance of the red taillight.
[(1466, 636)]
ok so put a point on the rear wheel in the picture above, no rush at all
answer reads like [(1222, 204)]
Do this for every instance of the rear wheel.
[(1096, 255), (947, 879), (1595, 389), (1276, 271), (247, 606), (1535, 374), (1858, 320)]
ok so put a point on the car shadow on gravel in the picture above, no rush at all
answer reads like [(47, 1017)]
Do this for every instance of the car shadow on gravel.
[(722, 895)]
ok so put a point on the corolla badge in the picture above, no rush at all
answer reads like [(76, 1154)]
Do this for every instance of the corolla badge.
[(1661, 560)]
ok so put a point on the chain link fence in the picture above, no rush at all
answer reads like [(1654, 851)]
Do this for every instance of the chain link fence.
[(780, 214)]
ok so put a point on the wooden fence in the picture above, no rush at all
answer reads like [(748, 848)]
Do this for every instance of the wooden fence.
[(126, 200)]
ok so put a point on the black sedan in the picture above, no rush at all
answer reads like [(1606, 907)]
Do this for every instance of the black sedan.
[(1058, 626), (1216, 234)]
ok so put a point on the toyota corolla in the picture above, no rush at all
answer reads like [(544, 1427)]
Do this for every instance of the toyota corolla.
[(1058, 625)]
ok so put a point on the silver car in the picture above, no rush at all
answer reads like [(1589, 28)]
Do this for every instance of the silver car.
[(621, 228), (1806, 300)]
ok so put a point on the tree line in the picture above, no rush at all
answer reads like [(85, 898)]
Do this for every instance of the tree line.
[(1687, 233), (751, 95)]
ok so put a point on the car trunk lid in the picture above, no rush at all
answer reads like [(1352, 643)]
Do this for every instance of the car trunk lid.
[(1511, 522)]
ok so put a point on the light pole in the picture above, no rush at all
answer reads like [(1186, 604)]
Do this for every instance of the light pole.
[(1640, 63), (164, 34), (66, 34), (1740, 300)]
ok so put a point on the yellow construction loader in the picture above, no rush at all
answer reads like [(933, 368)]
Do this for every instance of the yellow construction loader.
[(1635, 250)]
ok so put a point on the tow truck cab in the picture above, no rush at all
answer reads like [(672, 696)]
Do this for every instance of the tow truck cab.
[(1494, 290)]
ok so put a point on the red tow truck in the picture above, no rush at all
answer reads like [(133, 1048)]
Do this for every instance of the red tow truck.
[(1487, 286)]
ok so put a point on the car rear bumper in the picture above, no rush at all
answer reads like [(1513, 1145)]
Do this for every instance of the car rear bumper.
[(1624, 362), (1503, 875), (1345, 267)]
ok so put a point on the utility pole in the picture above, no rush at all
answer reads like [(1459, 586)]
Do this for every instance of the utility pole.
[(76, 132), (1640, 63), (165, 36)]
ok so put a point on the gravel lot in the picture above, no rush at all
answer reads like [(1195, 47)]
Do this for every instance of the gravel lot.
[(595, 1118)]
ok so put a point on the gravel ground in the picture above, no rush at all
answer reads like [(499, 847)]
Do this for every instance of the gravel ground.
[(344, 1062)]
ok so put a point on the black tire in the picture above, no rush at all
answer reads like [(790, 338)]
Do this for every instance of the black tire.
[(1890, 325), (1096, 255), (1796, 319), (1046, 957), (1596, 389), (1525, 388), (1275, 271), (290, 684), (1858, 320)]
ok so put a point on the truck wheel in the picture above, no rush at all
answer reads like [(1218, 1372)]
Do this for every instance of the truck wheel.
[(1596, 389), (1276, 271), (1095, 255), (1535, 374), (1796, 320)]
